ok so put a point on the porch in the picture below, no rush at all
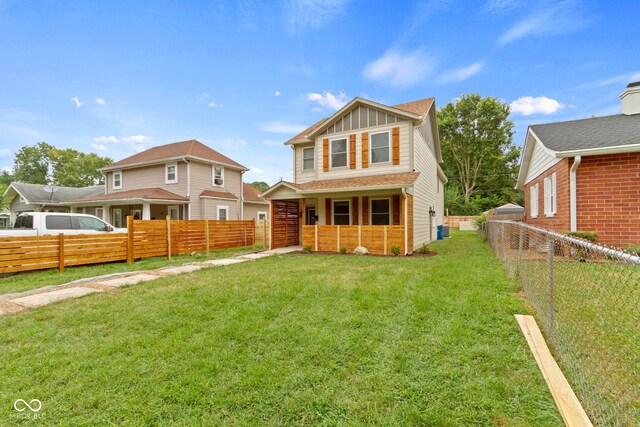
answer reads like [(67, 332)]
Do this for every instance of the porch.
[(378, 239)]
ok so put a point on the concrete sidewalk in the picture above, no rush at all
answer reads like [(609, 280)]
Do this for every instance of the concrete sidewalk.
[(15, 303)]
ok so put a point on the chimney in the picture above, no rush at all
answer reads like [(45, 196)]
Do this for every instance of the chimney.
[(630, 99)]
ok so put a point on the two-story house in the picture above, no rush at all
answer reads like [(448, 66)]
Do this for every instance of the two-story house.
[(183, 180), (367, 164)]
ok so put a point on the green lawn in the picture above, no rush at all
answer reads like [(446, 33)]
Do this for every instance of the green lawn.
[(290, 339), (36, 279)]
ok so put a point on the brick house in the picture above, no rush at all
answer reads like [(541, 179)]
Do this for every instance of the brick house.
[(584, 175)]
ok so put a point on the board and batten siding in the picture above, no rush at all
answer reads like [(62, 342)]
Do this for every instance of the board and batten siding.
[(360, 118), (541, 160), (372, 169), (425, 192)]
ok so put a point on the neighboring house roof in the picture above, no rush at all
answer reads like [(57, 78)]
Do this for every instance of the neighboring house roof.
[(509, 208), (394, 180), (43, 194), (218, 194), (191, 149), (414, 109), (139, 194), (251, 194), (619, 130)]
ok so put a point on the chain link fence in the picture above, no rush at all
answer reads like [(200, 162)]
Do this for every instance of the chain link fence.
[(586, 298)]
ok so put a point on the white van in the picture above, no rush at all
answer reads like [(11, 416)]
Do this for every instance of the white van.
[(53, 223)]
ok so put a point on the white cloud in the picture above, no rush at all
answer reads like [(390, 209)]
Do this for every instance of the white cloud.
[(277, 93), (213, 105), (561, 18), (99, 147), (100, 101), (242, 143), (105, 139), (400, 69), (329, 100), (76, 101), (529, 105), (137, 148), (136, 139), (462, 73), (278, 126), (302, 14), (501, 6), (202, 96)]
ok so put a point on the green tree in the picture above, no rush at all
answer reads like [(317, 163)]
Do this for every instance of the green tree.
[(479, 156), (72, 168), (32, 164), (260, 185)]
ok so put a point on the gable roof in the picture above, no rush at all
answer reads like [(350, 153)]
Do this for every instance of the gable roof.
[(139, 194), (38, 194), (191, 149), (251, 194), (597, 133), (411, 110)]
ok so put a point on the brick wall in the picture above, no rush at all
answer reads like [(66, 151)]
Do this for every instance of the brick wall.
[(561, 221), (608, 202)]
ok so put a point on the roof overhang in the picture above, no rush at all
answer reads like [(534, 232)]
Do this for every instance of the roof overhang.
[(167, 160), (219, 198), (525, 160), (122, 201), (12, 187), (277, 186), (355, 101), (630, 148)]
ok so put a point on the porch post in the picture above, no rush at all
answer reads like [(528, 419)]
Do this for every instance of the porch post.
[(106, 213), (146, 211)]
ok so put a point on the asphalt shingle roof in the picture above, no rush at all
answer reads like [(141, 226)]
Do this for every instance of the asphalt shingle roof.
[(36, 193), (596, 132)]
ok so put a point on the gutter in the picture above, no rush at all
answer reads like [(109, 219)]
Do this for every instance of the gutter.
[(572, 193), (406, 219)]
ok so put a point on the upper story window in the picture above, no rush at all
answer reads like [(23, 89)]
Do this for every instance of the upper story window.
[(339, 153), (550, 203), (218, 176), (533, 201), (117, 180), (308, 155), (171, 173), (380, 147)]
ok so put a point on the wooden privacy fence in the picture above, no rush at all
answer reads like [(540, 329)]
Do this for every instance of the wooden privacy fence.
[(454, 221), (378, 239), (144, 238)]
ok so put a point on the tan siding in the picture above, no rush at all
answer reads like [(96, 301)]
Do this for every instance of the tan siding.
[(303, 176), (151, 177), (251, 210), (210, 208), (425, 192)]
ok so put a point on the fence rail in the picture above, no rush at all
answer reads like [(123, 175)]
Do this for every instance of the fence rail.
[(378, 239), (144, 239), (586, 298)]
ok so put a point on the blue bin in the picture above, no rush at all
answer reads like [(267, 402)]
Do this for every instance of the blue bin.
[(440, 232)]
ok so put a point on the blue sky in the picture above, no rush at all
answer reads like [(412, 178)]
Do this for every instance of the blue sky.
[(117, 77)]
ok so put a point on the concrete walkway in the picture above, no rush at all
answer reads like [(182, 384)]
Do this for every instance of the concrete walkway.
[(15, 303)]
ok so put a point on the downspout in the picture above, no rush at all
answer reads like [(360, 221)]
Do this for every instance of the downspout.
[(242, 194), (572, 193), (188, 186), (406, 219)]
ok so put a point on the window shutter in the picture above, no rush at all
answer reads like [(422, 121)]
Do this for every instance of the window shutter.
[(365, 210), (354, 211), (365, 150), (395, 136), (396, 209), (325, 155), (327, 211), (352, 151)]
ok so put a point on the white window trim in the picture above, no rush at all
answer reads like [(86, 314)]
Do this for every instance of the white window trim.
[(550, 202), (261, 213), (222, 208), (371, 162), (534, 201), (346, 166), (117, 187), (213, 175), (173, 207), (101, 215), (333, 210), (119, 210), (390, 209), (313, 150), (166, 173)]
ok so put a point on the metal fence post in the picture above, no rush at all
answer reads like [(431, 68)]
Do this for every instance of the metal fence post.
[(550, 251)]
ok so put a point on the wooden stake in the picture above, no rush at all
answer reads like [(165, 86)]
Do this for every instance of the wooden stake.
[(130, 236), (168, 237), (61, 252)]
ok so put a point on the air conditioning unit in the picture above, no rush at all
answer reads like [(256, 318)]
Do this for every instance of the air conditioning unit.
[(218, 181)]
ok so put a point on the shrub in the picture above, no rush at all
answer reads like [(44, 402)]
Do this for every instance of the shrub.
[(424, 249), (395, 250), (591, 236), (480, 220), (578, 250), (307, 249), (343, 250)]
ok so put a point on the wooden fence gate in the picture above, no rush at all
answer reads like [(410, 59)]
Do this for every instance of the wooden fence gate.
[(286, 225)]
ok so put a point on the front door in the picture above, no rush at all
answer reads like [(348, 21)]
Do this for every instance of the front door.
[(311, 216)]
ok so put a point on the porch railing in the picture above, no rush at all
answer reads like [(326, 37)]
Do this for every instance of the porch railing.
[(378, 239)]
